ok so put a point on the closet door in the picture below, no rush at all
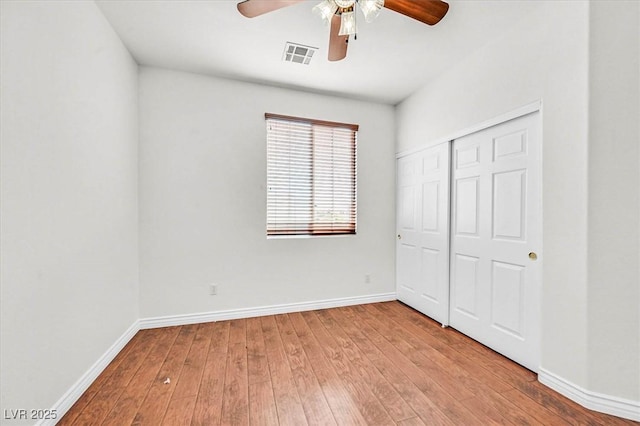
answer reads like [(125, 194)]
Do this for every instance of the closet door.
[(496, 238), (423, 231)]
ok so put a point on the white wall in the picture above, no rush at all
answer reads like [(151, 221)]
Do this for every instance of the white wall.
[(203, 199), (614, 142), (590, 166), (68, 196)]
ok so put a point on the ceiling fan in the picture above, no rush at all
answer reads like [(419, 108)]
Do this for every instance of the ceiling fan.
[(341, 15)]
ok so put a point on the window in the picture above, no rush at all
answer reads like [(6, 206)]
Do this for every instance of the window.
[(311, 176)]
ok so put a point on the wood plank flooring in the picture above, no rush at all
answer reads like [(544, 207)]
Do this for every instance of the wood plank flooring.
[(378, 364)]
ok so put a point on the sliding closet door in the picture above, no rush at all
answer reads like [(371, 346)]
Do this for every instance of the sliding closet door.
[(496, 238), (423, 231)]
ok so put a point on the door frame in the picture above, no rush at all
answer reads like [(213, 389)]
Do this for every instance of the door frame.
[(516, 113)]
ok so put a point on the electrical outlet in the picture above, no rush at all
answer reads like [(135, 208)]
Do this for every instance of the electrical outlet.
[(367, 278), (213, 289)]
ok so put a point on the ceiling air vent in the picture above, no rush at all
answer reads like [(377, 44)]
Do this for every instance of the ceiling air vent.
[(298, 53)]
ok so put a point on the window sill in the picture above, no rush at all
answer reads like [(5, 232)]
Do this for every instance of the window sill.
[(303, 237)]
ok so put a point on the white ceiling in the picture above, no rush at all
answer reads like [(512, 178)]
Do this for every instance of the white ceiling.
[(392, 57)]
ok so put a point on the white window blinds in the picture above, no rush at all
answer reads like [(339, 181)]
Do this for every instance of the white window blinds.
[(311, 176)]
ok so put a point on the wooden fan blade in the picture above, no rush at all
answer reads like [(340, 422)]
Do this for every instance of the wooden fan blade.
[(253, 8), (337, 43), (428, 11)]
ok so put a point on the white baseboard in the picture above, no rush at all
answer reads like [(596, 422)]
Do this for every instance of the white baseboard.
[(75, 392), (172, 320), (607, 404)]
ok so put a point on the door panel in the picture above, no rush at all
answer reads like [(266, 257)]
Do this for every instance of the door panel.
[(510, 145), (509, 209), (423, 231), (430, 195), (408, 209), (496, 222), (507, 298), (407, 269), (429, 273), (467, 206), (466, 285)]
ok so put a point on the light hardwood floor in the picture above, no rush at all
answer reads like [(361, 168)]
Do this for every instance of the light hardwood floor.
[(378, 364)]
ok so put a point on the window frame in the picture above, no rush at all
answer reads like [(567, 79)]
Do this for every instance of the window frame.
[(311, 230)]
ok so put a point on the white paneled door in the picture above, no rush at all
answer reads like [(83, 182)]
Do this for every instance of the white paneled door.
[(423, 231), (496, 228), (469, 242)]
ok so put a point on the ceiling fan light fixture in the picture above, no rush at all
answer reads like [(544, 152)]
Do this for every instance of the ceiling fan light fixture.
[(341, 16), (347, 23), (370, 8), (326, 9)]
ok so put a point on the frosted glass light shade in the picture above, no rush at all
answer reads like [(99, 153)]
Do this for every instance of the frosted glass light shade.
[(345, 4), (347, 23), (371, 8), (326, 9)]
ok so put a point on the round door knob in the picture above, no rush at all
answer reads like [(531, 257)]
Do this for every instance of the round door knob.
[(533, 256)]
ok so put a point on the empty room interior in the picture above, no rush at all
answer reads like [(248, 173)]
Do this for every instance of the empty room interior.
[(320, 212)]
